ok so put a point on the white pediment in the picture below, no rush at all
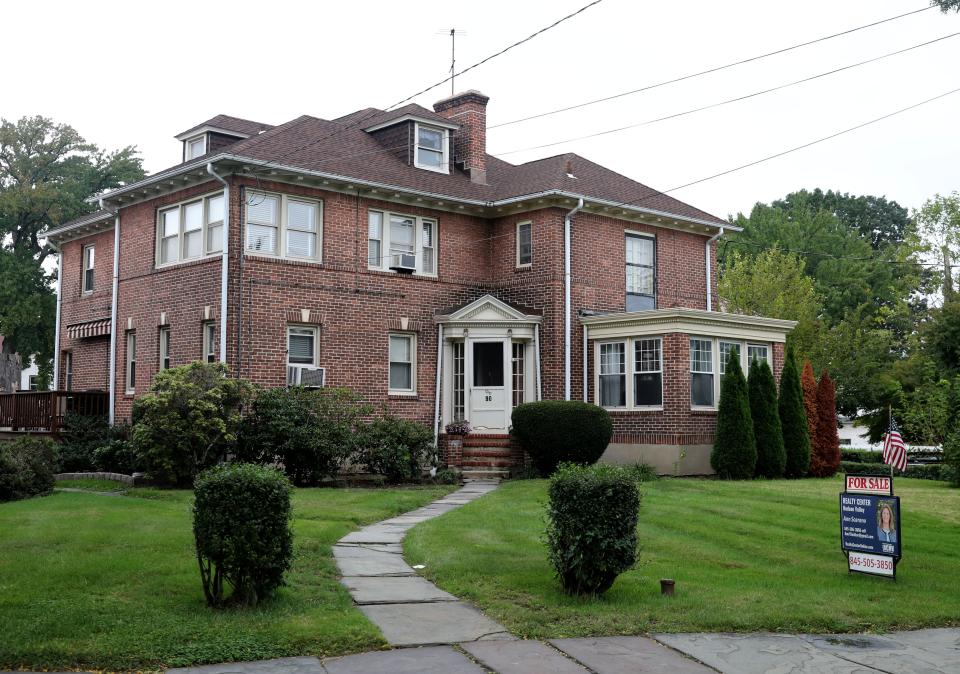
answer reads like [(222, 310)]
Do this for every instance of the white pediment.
[(487, 308)]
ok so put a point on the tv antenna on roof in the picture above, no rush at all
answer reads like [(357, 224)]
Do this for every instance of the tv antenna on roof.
[(453, 55)]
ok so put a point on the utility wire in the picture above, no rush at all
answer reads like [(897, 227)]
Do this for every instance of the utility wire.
[(707, 71), (370, 115), (730, 100)]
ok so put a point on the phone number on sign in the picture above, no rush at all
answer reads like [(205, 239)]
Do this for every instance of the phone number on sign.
[(871, 563)]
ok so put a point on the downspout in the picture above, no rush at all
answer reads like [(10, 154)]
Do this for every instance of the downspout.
[(536, 342), (224, 263), (707, 256), (114, 296), (436, 389), (56, 336), (567, 334), (585, 387)]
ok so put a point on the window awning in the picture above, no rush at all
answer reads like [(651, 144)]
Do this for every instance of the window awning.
[(97, 328)]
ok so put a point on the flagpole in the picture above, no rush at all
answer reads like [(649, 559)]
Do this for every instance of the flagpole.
[(889, 429)]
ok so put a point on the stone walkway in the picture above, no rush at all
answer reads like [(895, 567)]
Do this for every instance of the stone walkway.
[(408, 609)]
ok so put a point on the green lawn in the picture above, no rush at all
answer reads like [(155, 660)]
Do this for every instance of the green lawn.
[(107, 582), (91, 485), (746, 556)]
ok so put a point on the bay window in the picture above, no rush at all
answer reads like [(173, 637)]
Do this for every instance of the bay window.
[(648, 373), (393, 234), (284, 226), (613, 378), (701, 372), (758, 352), (726, 348), (190, 230)]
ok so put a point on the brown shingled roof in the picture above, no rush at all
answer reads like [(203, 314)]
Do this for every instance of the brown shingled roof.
[(244, 127)]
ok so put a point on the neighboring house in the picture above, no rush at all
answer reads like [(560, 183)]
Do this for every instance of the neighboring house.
[(15, 374), (388, 252)]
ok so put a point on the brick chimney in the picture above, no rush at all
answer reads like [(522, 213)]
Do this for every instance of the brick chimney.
[(469, 110)]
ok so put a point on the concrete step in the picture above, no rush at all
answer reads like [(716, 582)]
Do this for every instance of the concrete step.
[(486, 462), (484, 474), (493, 452)]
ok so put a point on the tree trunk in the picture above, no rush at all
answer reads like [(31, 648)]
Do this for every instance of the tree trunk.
[(947, 275), (9, 372)]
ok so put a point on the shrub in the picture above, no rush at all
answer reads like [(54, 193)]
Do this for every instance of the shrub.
[(642, 472), (734, 455), (592, 526), (27, 467), (446, 476), (310, 433), (555, 431), (951, 458), (923, 471), (116, 454), (397, 449), (825, 448), (188, 421), (808, 383), (80, 437), (793, 420), (771, 456), (241, 525), (859, 455)]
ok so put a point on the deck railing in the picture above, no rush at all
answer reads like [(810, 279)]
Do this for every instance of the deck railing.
[(45, 411)]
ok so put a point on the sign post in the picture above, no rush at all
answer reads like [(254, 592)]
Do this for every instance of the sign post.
[(870, 525)]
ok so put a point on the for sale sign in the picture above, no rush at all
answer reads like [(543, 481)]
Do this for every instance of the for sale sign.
[(870, 524)]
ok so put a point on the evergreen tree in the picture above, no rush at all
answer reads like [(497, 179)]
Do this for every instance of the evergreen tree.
[(825, 450), (734, 455), (771, 457), (808, 382), (793, 420)]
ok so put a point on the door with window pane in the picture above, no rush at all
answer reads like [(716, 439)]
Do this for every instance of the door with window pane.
[(488, 375)]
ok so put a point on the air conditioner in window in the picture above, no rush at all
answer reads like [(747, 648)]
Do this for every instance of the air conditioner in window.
[(404, 263), (307, 376)]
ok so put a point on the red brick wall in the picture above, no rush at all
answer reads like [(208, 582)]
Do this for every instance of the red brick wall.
[(90, 355)]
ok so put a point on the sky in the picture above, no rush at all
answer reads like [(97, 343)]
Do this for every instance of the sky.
[(125, 73)]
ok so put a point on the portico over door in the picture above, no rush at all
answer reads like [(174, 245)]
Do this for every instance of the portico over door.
[(489, 363)]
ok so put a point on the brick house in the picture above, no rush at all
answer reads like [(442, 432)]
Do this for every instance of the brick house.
[(388, 252)]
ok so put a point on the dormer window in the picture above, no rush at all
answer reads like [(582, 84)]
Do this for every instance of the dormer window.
[(196, 147), (431, 148)]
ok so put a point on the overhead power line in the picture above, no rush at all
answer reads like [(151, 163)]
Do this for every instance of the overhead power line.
[(707, 71), (370, 115), (729, 100), (831, 256)]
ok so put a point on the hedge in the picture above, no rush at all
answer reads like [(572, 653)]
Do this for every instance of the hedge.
[(922, 471), (558, 431), (27, 467), (592, 526)]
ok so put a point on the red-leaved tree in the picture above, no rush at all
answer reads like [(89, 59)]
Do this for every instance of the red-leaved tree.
[(825, 448), (808, 382)]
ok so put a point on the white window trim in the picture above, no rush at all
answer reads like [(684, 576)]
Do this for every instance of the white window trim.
[(741, 351), (316, 344), (714, 370), (768, 349), (189, 141), (130, 383), (281, 253), (68, 370), (204, 253), (653, 239), (445, 164), (418, 242), (210, 342), (164, 345), (91, 248), (630, 369), (413, 365), (523, 265)]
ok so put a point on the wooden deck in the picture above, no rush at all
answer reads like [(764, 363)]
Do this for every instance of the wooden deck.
[(46, 411)]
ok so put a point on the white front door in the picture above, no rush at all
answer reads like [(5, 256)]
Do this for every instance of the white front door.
[(488, 379)]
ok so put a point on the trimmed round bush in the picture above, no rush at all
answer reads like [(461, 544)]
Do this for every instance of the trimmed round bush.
[(241, 525), (592, 526), (396, 448), (27, 467), (558, 431)]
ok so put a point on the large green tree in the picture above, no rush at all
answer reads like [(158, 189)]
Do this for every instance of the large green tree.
[(946, 5), (938, 224), (47, 174)]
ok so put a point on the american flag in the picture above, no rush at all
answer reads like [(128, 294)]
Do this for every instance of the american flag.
[(894, 451)]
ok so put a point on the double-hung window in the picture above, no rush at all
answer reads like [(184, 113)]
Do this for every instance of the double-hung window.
[(701, 372), (284, 226), (301, 345), (524, 244), (196, 147), (164, 351), (758, 352), (88, 261), (641, 277), (209, 342), (68, 369), (402, 364), (190, 230), (131, 370), (647, 372), (726, 348), (613, 375), (390, 236), (431, 148)]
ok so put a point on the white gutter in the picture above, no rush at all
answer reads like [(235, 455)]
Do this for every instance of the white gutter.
[(224, 262), (567, 335), (436, 389), (707, 256), (56, 336), (114, 296)]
